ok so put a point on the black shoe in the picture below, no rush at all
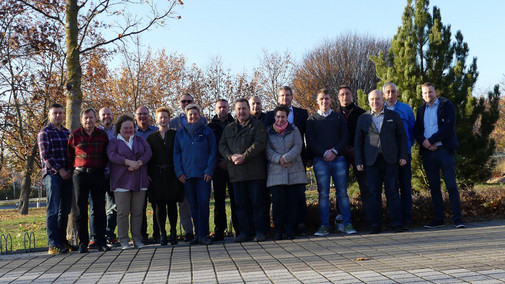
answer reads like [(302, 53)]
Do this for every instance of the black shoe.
[(301, 230), (188, 237), (375, 230), (82, 248), (434, 224), (459, 225), (241, 238), (259, 237), (194, 241), (173, 239), (204, 241), (163, 240), (398, 229), (104, 248), (217, 238), (278, 236)]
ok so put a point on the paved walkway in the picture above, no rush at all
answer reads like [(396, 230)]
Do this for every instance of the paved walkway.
[(475, 254)]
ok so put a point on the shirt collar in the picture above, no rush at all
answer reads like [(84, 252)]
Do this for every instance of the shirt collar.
[(378, 114), (325, 114)]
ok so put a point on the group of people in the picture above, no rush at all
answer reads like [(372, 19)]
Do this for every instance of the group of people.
[(260, 157)]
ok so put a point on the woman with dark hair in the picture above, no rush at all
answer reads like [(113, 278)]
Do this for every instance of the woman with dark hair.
[(195, 158), (286, 173), (128, 155), (165, 190)]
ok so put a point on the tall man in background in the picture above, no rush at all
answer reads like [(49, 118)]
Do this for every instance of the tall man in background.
[(298, 117), (405, 172), (144, 129)]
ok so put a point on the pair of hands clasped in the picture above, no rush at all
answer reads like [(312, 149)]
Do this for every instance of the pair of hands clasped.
[(429, 146), (133, 165)]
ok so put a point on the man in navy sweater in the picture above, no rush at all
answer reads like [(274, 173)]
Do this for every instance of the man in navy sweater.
[(327, 140)]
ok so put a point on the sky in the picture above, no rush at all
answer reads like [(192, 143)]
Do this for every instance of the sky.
[(239, 31)]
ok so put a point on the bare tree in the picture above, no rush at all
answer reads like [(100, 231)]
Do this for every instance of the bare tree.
[(344, 60)]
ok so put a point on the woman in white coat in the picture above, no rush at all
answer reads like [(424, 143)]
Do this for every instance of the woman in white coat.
[(286, 173)]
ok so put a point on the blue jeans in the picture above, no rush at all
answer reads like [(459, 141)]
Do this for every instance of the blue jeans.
[(59, 203), (434, 162), (337, 170), (250, 195), (284, 207), (405, 182), (383, 173), (198, 194)]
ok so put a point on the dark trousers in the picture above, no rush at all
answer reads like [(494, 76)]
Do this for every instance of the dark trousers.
[(434, 162), (250, 203), (162, 209), (378, 174), (301, 205), (86, 184), (405, 182), (220, 180), (284, 207), (143, 228), (110, 213)]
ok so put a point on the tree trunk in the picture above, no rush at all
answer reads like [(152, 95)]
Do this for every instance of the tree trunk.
[(74, 74), (26, 183)]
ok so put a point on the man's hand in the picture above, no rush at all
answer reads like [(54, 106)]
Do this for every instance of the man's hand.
[(237, 159), (64, 174), (360, 168), (433, 148), (403, 162), (426, 144), (207, 178), (182, 178), (330, 156)]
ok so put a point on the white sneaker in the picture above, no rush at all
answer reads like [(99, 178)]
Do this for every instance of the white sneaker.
[(138, 244), (125, 245)]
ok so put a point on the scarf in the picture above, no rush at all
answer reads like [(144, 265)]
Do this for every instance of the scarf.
[(192, 129), (280, 128)]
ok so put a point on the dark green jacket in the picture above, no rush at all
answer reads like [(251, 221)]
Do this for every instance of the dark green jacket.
[(249, 140)]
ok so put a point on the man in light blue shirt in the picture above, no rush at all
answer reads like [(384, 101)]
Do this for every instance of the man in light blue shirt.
[(435, 131), (405, 172)]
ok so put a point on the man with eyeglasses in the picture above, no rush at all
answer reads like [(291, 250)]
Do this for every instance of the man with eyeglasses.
[(143, 130), (177, 123)]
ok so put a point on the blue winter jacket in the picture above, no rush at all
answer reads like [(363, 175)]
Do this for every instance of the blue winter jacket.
[(194, 157)]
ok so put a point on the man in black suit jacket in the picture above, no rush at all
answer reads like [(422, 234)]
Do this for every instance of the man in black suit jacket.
[(298, 116), (381, 146)]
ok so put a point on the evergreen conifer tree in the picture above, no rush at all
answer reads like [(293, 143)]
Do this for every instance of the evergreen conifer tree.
[(423, 50)]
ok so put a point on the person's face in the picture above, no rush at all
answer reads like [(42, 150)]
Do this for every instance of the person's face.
[(376, 101), (324, 102), (88, 120), (344, 97), (255, 104), (242, 110), (162, 119), (56, 116), (281, 117), (285, 97), (142, 116), (105, 116), (185, 101), (193, 116), (390, 94), (429, 94), (127, 129), (222, 109)]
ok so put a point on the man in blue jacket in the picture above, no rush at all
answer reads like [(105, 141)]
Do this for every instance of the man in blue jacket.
[(405, 172), (435, 131)]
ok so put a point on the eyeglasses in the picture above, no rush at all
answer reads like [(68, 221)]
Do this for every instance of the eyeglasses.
[(186, 101)]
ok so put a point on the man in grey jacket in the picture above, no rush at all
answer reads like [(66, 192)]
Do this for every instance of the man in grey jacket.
[(243, 145), (380, 145)]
